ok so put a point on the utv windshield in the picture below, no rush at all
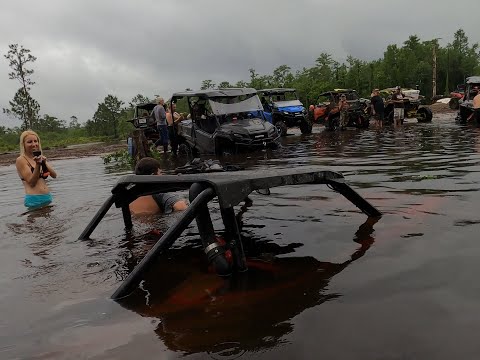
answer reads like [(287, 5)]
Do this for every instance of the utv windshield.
[(281, 104), (283, 96), (235, 105)]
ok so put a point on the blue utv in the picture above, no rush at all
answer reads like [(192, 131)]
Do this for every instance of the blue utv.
[(283, 109)]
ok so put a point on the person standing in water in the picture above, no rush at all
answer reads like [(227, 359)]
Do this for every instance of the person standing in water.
[(33, 169), (378, 108)]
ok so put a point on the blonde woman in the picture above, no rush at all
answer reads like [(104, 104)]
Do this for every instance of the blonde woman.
[(33, 169)]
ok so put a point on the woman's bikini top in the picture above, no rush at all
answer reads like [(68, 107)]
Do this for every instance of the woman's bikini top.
[(33, 169)]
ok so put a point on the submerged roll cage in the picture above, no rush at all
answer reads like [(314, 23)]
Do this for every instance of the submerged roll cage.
[(230, 189)]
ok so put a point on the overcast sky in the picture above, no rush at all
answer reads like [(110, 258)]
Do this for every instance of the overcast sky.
[(88, 49)]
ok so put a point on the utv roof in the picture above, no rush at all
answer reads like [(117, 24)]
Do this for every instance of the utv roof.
[(209, 93), (149, 105), (344, 90), (473, 79), (276, 90), (337, 91)]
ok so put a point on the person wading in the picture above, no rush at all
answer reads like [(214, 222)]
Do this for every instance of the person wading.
[(378, 108), (343, 106), (398, 106), (33, 169)]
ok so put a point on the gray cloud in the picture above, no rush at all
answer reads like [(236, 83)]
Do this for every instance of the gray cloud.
[(88, 49)]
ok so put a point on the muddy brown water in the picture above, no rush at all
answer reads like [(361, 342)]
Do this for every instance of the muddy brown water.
[(323, 281)]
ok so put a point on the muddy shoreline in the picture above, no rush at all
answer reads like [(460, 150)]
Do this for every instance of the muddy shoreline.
[(77, 151), (96, 149)]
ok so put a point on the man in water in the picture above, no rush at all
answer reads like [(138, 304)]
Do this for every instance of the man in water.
[(161, 203), (398, 106), (343, 106), (378, 107)]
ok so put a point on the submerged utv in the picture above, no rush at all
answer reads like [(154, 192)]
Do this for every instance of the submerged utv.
[(223, 121), (284, 110), (225, 255)]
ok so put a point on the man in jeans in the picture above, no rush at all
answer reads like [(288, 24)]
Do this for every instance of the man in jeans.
[(161, 119)]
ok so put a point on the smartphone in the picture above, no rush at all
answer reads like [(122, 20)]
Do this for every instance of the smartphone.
[(37, 153)]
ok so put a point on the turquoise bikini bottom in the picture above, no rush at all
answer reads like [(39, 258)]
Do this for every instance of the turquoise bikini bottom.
[(37, 200)]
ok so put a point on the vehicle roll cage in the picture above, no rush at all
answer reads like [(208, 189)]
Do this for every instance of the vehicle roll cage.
[(230, 189)]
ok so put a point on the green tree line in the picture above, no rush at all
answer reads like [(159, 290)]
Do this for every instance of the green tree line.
[(408, 65)]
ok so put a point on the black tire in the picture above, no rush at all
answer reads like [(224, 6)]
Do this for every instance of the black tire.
[(363, 121), (281, 127), (333, 123), (389, 118), (184, 149), (306, 126), (424, 115), (453, 104), (227, 150), (224, 147)]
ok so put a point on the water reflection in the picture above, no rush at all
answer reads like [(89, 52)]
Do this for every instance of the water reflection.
[(201, 312)]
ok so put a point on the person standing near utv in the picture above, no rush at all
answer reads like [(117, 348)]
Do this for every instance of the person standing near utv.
[(161, 120), (173, 118), (378, 108), (343, 106), (398, 106)]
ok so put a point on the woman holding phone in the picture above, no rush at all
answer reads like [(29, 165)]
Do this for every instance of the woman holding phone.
[(33, 169)]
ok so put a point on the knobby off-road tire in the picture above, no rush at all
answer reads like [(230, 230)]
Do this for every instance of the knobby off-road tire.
[(454, 104), (306, 126), (333, 124), (281, 127), (184, 149), (424, 115)]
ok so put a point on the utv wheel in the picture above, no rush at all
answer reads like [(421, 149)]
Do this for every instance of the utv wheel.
[(389, 118), (454, 104), (363, 121), (281, 127), (227, 151), (424, 115), (185, 150), (306, 126), (333, 124)]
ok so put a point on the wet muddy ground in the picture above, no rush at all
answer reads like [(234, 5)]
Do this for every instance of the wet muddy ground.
[(324, 281)]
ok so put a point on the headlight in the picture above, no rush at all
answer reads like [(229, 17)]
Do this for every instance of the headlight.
[(285, 112)]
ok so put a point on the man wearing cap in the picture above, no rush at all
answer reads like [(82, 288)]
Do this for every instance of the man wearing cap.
[(398, 106), (378, 107), (161, 119)]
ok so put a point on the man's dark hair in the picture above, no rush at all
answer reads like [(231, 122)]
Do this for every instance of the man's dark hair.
[(147, 166)]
